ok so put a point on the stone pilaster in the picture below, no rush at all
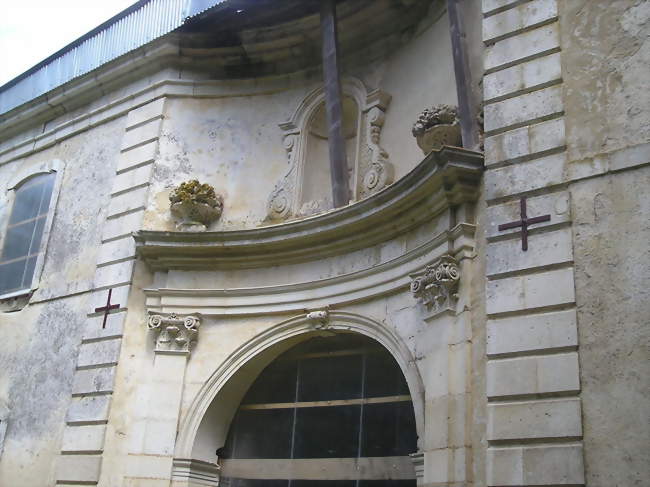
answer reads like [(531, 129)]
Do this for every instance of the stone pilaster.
[(534, 428), (88, 414), (153, 437)]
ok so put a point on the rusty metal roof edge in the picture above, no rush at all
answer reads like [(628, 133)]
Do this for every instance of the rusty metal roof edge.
[(137, 25)]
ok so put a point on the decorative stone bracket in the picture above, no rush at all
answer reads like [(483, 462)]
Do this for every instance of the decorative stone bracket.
[(319, 318), (174, 334), (437, 285)]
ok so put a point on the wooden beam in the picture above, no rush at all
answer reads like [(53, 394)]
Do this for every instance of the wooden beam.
[(466, 106), (329, 403), (333, 105)]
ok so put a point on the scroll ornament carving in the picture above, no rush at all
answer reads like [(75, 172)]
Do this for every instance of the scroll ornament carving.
[(174, 334), (281, 198), (437, 285), (379, 172)]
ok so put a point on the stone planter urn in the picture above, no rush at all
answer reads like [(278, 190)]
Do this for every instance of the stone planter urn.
[(195, 206), (437, 126)]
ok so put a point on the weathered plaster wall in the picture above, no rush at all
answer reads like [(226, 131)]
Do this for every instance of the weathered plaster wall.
[(39, 351), (612, 255), (81, 208), (232, 143), (418, 75), (37, 357), (605, 60), (235, 142), (605, 57)]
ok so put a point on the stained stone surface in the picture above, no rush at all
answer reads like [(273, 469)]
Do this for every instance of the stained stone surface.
[(612, 269)]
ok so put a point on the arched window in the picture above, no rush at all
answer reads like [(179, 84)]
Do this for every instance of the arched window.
[(24, 232), (332, 411)]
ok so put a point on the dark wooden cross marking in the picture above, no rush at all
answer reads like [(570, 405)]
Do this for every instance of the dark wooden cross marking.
[(333, 105), (524, 223), (106, 309)]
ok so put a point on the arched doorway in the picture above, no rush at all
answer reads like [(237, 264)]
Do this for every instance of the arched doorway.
[(332, 411)]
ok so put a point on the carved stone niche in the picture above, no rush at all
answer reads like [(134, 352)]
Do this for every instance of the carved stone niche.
[(436, 286), (174, 334), (304, 189)]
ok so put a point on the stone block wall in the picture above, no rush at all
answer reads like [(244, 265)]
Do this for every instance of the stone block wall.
[(94, 379), (534, 426)]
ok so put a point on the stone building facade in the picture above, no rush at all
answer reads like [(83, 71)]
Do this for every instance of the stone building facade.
[(135, 343)]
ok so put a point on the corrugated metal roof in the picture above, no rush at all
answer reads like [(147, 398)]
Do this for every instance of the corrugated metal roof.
[(132, 28)]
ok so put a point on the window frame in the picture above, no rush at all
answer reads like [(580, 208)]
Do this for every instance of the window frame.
[(4, 414), (21, 176)]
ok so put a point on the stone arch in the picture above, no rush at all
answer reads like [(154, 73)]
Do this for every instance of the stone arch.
[(223, 395)]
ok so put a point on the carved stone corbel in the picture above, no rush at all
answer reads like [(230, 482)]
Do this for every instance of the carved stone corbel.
[(174, 334), (437, 285)]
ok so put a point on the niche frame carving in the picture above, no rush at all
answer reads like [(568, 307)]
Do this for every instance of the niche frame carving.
[(372, 168)]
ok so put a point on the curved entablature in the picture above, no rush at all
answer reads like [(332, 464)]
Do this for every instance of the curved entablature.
[(444, 179)]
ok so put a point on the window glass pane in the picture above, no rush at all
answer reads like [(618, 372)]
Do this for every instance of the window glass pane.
[(324, 369), (330, 378), (18, 240), (388, 430), (25, 232), (277, 383), (38, 234), (383, 376), (327, 432), (29, 273), (262, 433), (27, 202), (48, 184), (11, 276)]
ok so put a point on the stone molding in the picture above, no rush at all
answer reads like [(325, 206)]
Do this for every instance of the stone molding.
[(196, 472), (417, 459), (442, 180), (371, 168), (437, 285), (174, 334)]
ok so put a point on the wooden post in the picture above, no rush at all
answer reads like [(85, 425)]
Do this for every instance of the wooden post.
[(466, 109), (333, 105)]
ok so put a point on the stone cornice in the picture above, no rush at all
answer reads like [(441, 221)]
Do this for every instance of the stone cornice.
[(443, 179)]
